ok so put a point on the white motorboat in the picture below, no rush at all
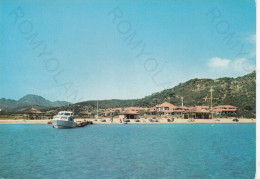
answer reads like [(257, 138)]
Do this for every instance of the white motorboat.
[(64, 120)]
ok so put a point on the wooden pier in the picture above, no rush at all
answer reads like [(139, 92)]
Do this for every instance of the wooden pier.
[(83, 123)]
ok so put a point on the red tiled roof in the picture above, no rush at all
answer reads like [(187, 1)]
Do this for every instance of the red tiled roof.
[(153, 108), (180, 110), (189, 108), (197, 110), (225, 106), (113, 110), (222, 110), (171, 111), (116, 109), (166, 104), (128, 112)]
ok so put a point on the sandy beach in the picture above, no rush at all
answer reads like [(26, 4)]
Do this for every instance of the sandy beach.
[(142, 121)]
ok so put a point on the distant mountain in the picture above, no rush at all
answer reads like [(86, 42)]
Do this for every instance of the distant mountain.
[(30, 100), (240, 92)]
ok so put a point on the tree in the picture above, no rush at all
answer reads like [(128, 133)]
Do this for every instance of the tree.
[(116, 113), (142, 112)]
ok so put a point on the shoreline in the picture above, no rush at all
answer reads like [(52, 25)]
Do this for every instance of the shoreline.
[(142, 121)]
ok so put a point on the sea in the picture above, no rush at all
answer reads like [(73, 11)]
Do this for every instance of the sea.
[(128, 151)]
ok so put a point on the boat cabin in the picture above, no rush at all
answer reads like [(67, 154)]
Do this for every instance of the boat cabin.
[(65, 113)]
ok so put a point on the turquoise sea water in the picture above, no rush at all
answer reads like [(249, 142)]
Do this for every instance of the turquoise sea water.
[(128, 151)]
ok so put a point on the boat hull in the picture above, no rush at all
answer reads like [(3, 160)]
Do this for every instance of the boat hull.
[(62, 124)]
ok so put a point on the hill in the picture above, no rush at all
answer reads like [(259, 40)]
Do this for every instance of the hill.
[(29, 101), (240, 92)]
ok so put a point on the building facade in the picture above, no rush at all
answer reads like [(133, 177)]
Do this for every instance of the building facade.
[(224, 109)]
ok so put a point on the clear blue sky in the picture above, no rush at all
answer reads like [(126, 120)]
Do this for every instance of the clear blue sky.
[(92, 56)]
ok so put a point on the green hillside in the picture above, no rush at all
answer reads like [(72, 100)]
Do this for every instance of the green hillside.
[(240, 92)]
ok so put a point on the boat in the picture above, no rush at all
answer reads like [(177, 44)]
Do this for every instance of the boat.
[(63, 120)]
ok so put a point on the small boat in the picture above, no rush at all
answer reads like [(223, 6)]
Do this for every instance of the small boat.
[(64, 120), (235, 120)]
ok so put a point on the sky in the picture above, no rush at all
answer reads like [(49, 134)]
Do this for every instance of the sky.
[(94, 50)]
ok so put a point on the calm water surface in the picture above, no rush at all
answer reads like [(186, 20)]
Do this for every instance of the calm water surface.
[(128, 151)]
